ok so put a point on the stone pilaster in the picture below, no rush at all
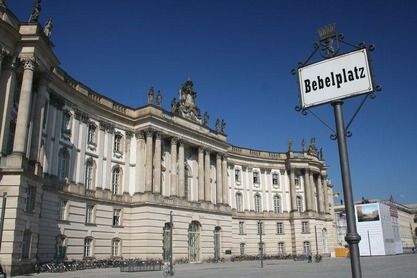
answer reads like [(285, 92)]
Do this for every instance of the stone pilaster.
[(293, 194), (140, 163), (219, 189), (225, 185), (320, 197), (148, 163), (181, 172), (157, 165), (19, 145), (200, 174), (207, 186), (174, 177), (109, 155), (313, 200)]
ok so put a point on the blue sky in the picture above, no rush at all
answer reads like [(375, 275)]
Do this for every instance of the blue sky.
[(239, 55)]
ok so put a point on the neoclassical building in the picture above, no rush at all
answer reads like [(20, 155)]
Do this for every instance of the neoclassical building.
[(86, 176)]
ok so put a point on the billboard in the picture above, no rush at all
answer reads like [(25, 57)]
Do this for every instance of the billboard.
[(367, 212), (333, 79)]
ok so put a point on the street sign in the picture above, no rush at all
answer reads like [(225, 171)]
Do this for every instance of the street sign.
[(333, 79)]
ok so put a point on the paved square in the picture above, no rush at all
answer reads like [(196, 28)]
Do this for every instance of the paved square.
[(402, 266)]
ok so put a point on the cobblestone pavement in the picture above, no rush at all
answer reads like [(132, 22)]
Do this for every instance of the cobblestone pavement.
[(401, 266)]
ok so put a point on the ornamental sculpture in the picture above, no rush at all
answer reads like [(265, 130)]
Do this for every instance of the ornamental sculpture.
[(36, 11), (186, 106)]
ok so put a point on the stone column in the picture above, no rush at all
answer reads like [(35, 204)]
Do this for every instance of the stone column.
[(39, 114), (7, 87), (320, 196), (307, 189), (100, 147), (19, 144), (181, 171), (207, 189), (148, 164), (225, 185), (326, 195), (174, 177), (293, 194), (200, 174), (157, 165), (3, 53), (140, 163), (126, 174), (219, 180)]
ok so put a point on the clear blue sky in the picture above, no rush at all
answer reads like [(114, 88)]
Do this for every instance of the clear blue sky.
[(239, 55)]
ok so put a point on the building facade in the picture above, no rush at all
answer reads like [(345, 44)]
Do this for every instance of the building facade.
[(87, 177)]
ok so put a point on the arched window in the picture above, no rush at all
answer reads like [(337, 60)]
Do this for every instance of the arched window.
[(277, 204), (116, 180), (324, 239), (306, 248), (91, 134), (116, 245), (26, 242), (239, 202), (63, 164), (166, 242), (217, 239), (90, 169), (299, 203), (281, 248), (88, 247), (194, 242), (61, 246), (258, 203)]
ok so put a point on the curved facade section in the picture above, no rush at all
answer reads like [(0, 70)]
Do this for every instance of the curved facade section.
[(86, 176)]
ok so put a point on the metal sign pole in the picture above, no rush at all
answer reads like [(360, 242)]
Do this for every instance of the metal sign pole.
[(352, 236), (170, 244), (3, 210)]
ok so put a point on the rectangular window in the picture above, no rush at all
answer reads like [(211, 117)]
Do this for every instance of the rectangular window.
[(91, 135), (275, 179), (305, 229), (237, 175), (26, 242), (297, 182), (30, 198), (116, 248), (242, 249), (117, 144), (89, 214), (241, 227), (256, 177), (261, 228), (88, 247), (239, 202), (117, 213), (280, 228), (62, 210)]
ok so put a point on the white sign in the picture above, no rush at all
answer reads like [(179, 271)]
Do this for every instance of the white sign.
[(337, 78)]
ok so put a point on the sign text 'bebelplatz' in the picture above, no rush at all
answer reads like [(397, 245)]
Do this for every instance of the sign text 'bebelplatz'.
[(333, 79)]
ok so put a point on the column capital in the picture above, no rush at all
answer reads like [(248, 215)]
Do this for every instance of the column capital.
[(149, 132), (225, 156), (140, 135), (28, 62), (174, 140), (158, 135), (129, 134)]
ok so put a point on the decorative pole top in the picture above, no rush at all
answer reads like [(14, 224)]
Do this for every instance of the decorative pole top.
[(36, 11), (328, 37)]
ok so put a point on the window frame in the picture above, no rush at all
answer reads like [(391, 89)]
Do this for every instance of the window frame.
[(117, 215), (280, 228), (305, 227), (90, 215)]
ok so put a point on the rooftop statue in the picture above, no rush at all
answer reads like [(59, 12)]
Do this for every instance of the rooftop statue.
[(36, 11), (48, 28)]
